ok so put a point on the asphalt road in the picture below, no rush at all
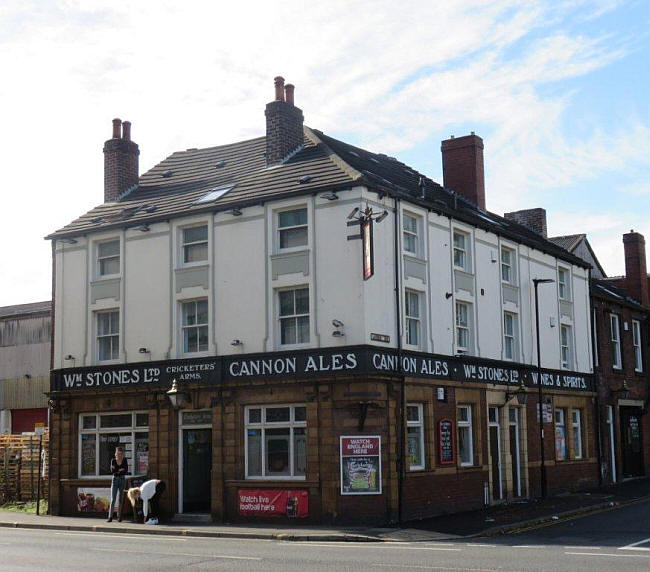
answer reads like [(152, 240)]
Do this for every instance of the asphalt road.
[(614, 540)]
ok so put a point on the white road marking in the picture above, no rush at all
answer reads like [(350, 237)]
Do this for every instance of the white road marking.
[(389, 546), (400, 566), (178, 554), (582, 547), (608, 554), (482, 545), (635, 545), (122, 535)]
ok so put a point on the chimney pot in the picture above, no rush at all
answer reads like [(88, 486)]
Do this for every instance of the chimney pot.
[(462, 167), (117, 127), (279, 88), (126, 131), (288, 91)]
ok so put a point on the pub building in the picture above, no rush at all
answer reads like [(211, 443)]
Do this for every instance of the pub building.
[(290, 327)]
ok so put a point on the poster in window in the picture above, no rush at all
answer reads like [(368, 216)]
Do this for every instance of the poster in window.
[(560, 443), (87, 454), (367, 249), (446, 450), (360, 465)]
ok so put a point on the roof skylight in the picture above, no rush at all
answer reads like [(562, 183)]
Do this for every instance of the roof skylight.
[(214, 194)]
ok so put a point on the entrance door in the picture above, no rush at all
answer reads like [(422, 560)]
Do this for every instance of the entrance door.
[(495, 452), (197, 469), (631, 441), (515, 450)]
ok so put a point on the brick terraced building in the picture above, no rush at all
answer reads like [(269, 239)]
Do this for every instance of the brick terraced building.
[(349, 340)]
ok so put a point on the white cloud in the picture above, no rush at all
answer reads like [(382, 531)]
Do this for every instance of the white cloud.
[(197, 74)]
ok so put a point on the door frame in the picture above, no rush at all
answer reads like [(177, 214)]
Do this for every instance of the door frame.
[(517, 487), (612, 446), (180, 451), (496, 424)]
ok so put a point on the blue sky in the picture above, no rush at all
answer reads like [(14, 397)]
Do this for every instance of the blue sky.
[(558, 90)]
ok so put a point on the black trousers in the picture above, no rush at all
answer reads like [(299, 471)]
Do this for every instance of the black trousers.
[(154, 508)]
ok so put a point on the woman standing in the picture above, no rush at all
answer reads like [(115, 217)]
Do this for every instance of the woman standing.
[(119, 469), (150, 492)]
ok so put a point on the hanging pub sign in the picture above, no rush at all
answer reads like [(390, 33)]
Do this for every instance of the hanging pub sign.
[(361, 465), (367, 249), (446, 450)]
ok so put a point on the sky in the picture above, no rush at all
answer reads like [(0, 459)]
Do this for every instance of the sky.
[(558, 90)]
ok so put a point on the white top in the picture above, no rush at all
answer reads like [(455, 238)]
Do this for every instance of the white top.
[(147, 490)]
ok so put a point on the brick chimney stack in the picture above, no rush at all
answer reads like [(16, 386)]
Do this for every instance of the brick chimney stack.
[(534, 219), (636, 273), (462, 167), (284, 134), (120, 161)]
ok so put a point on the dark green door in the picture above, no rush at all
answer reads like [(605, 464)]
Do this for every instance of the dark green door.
[(197, 469), (631, 442)]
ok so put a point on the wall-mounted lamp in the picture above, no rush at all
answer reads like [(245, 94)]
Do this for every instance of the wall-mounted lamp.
[(236, 342), (144, 350), (338, 334), (448, 295), (235, 212), (69, 357), (337, 323), (493, 255), (176, 397), (332, 196), (519, 393), (142, 228), (623, 392), (68, 240)]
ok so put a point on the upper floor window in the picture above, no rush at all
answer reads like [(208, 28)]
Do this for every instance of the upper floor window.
[(509, 336), (507, 270), (410, 234), (461, 251), (636, 339), (462, 326), (294, 316), (563, 284), (195, 326), (292, 229), (617, 362), (195, 244), (108, 335), (415, 435), (412, 311), (565, 346), (108, 258)]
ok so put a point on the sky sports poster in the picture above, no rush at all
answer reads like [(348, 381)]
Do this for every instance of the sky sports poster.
[(360, 465)]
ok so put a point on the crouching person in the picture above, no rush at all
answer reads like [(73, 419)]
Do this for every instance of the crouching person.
[(149, 493)]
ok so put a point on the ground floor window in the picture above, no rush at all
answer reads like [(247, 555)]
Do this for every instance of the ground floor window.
[(101, 433), (576, 426), (415, 433), (560, 435), (465, 440), (276, 441)]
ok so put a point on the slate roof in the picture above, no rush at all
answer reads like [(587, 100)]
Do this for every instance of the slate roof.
[(607, 290), (171, 188), (20, 310), (568, 242)]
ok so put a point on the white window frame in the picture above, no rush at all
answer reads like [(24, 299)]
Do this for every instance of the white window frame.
[(509, 265), (98, 268), (97, 431), (184, 327), (565, 349), (466, 424), (279, 229), (466, 327), (560, 421), (513, 336), (97, 314), (576, 433), (615, 330), (419, 425), (294, 316), (564, 286), (262, 426), (595, 338), (636, 341), (410, 233), (465, 250), (409, 319), (184, 244)]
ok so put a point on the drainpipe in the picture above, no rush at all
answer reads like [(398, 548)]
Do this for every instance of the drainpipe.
[(599, 438), (402, 417)]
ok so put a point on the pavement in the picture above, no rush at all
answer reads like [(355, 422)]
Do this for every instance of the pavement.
[(491, 521)]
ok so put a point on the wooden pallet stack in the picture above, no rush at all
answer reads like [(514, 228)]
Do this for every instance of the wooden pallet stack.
[(19, 467)]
